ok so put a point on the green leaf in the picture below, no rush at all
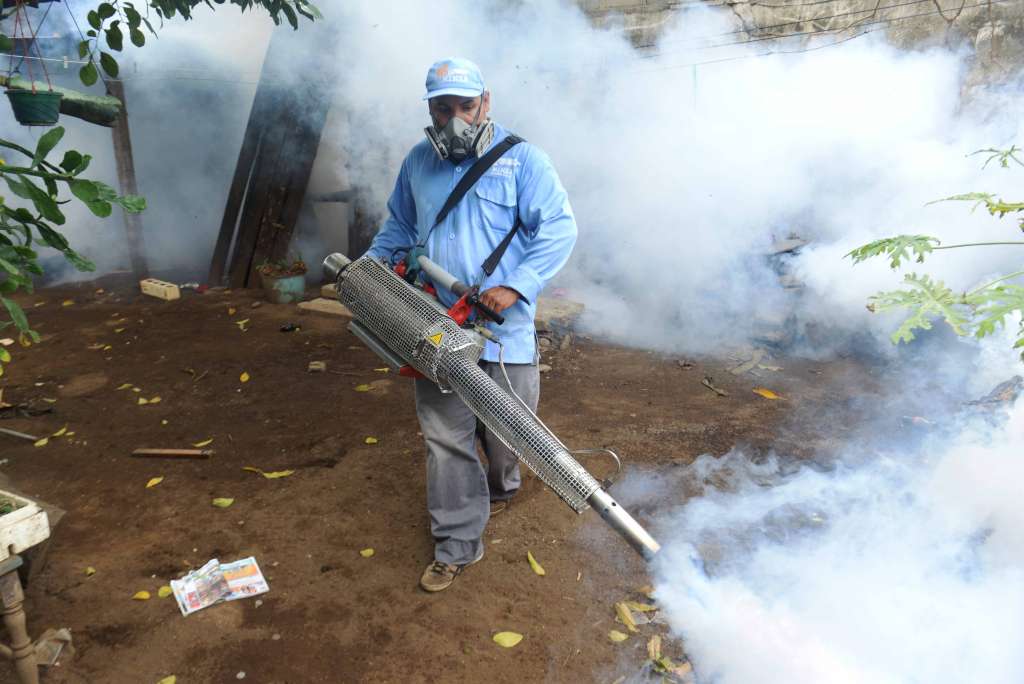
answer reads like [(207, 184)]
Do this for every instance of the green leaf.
[(138, 37), (88, 74), (897, 249), (289, 14), (17, 187), (115, 39), (72, 159), (83, 49), (94, 19), (105, 11), (926, 299), (6, 44), (86, 158), (84, 190), (109, 64), (133, 17), (53, 238), (51, 187), (133, 204), (16, 313), (105, 191), (994, 304), (100, 208), (78, 261), (46, 143), (43, 203)]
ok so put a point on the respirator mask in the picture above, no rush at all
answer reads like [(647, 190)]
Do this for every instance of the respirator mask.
[(459, 140)]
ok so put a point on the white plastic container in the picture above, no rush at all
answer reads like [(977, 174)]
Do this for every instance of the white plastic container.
[(23, 527)]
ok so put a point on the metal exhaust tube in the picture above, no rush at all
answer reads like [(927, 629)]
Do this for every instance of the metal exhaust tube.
[(623, 523)]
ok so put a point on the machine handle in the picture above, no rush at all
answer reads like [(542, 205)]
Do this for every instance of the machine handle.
[(486, 310)]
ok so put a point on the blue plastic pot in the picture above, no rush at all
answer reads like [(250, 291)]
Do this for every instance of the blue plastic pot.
[(285, 289)]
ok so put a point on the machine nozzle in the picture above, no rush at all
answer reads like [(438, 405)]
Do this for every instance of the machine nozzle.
[(334, 264), (623, 523)]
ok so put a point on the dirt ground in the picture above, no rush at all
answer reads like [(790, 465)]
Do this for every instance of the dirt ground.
[(332, 615)]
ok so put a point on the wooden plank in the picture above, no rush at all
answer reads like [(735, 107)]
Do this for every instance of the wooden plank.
[(254, 130), (126, 178), (305, 149), (264, 176)]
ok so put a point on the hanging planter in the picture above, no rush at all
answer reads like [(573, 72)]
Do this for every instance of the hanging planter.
[(40, 108), (31, 107)]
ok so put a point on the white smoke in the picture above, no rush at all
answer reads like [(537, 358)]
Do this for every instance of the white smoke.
[(681, 176), (905, 570)]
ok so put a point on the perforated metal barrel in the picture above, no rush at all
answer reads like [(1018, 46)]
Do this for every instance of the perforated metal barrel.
[(419, 330), (519, 430), (411, 324)]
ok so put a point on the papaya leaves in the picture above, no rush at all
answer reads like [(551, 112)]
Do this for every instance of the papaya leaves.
[(979, 312)]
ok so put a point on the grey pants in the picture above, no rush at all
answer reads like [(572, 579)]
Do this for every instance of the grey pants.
[(459, 488)]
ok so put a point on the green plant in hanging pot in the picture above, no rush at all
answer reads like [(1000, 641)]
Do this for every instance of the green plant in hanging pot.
[(31, 107), (284, 281)]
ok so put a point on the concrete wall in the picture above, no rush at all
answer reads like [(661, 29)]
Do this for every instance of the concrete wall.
[(993, 31)]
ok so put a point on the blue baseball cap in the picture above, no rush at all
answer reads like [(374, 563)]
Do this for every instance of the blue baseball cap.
[(454, 76)]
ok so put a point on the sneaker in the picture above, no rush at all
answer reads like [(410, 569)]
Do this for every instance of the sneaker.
[(439, 576)]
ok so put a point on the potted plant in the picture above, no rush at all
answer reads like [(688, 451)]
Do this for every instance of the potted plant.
[(283, 281)]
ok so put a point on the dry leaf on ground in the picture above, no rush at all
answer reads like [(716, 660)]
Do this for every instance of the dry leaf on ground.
[(244, 377), (617, 636), (654, 647), (273, 475), (507, 639), (366, 553), (164, 591), (371, 440), (154, 481), (766, 393), (222, 502), (203, 443), (624, 616), (141, 596), (537, 567)]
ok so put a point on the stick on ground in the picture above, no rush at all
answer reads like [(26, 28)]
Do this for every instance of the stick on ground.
[(173, 453)]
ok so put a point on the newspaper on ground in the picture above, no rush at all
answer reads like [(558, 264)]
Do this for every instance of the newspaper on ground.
[(216, 581)]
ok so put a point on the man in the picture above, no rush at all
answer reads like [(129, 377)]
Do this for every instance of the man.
[(522, 183)]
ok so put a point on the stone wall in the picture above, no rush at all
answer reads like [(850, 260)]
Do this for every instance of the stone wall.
[(993, 30)]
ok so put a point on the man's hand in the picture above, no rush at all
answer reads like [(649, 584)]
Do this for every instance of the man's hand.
[(499, 298)]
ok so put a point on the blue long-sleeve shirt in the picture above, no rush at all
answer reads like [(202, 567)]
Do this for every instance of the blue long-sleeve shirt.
[(523, 177)]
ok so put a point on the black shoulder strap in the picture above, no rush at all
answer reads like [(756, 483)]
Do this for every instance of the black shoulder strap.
[(473, 175), (491, 262)]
